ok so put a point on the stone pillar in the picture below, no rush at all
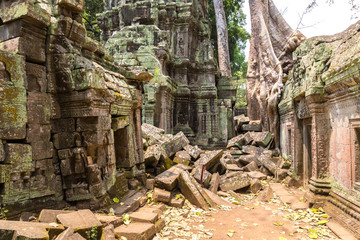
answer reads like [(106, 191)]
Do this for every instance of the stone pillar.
[(319, 182)]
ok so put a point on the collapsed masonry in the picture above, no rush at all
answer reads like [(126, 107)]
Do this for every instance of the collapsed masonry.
[(68, 116), (171, 39), (178, 167)]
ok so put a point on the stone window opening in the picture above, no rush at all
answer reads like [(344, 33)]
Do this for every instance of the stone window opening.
[(1, 22), (307, 156)]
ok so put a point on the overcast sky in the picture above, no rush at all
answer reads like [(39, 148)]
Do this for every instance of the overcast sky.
[(324, 19)]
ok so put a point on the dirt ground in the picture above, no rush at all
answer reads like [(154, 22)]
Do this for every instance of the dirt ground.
[(249, 219)]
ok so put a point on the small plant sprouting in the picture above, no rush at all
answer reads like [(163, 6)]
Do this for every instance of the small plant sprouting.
[(93, 233)]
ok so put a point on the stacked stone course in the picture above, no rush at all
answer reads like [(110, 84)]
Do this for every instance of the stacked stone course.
[(68, 115)]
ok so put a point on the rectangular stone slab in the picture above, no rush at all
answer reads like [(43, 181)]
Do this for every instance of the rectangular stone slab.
[(38, 231), (175, 144), (168, 179), (215, 181), (262, 138), (79, 220), (235, 182), (209, 159), (136, 231), (189, 190)]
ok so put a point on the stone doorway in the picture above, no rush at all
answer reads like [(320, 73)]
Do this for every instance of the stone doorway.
[(307, 156), (357, 158), (121, 142)]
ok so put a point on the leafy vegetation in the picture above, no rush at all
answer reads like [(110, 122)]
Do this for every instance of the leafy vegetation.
[(91, 8)]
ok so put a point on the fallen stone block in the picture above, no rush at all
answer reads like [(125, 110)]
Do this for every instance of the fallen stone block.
[(203, 194), (266, 161), (193, 151), (252, 150), (265, 195), (240, 140), (265, 171), (255, 185), (214, 183), (160, 195), (257, 175), (206, 178), (175, 144), (131, 202), (147, 217), (179, 203), (239, 121), (150, 184), (65, 235), (251, 167), (234, 182), (209, 159), (159, 209), (153, 154), (136, 231), (235, 153), (247, 159), (227, 158), (182, 157), (159, 225), (20, 230), (152, 134), (81, 221), (108, 233), (235, 195), (189, 190), (168, 179), (215, 198), (262, 139), (251, 128), (109, 220), (233, 167)]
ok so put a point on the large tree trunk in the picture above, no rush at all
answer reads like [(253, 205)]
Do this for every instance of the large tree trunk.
[(271, 46), (222, 39)]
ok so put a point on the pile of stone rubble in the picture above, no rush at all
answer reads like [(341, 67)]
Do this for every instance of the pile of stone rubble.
[(174, 166)]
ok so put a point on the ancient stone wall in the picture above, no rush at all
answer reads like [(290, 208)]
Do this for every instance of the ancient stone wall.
[(68, 116), (171, 39), (320, 109)]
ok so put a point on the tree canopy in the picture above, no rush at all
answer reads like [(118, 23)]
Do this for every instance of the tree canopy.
[(91, 8)]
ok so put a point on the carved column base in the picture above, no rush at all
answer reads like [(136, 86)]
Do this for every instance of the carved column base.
[(320, 186)]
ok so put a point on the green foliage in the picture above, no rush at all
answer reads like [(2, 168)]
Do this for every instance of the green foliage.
[(3, 212), (92, 234), (91, 8), (240, 100), (116, 200), (237, 35)]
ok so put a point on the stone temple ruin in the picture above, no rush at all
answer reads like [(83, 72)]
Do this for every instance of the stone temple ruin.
[(71, 113), (171, 39), (315, 92), (69, 116), (71, 109)]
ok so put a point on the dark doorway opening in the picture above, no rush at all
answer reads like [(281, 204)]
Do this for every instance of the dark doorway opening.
[(307, 156), (357, 158), (121, 138)]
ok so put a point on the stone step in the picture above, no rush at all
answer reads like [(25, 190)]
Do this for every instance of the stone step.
[(28, 230), (143, 216), (340, 231), (136, 231), (130, 203)]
